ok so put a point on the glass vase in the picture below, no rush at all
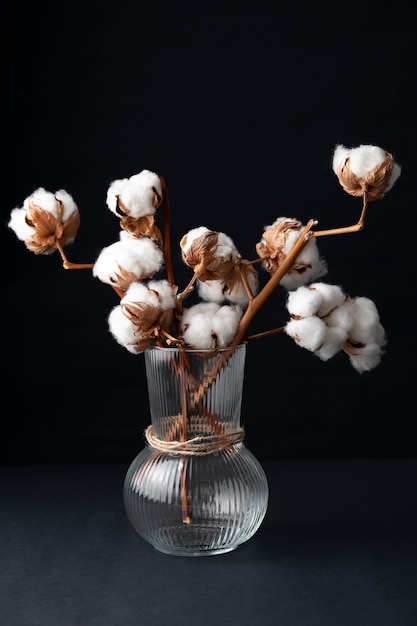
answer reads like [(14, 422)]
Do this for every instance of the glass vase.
[(195, 489)]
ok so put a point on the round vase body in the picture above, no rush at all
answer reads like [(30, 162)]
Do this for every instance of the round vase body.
[(195, 489)]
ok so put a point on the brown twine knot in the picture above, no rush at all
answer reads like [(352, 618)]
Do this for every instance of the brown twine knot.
[(197, 446)]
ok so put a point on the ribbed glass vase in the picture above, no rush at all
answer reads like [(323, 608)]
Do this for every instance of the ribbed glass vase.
[(195, 489)]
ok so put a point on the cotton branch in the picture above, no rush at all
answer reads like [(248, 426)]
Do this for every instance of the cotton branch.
[(167, 233), (266, 333), (360, 224), (67, 265)]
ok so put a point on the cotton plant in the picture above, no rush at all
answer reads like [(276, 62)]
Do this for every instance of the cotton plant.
[(152, 309), (46, 221)]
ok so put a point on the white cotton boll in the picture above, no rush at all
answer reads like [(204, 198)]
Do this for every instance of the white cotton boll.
[(198, 334), (225, 324), (165, 293), (197, 325), (278, 241), (225, 247), (309, 254), (139, 293), (211, 290), (140, 257), (19, 225), (192, 234), (47, 201), (60, 204), (365, 168), (309, 257), (370, 334), (340, 155), (365, 158), (341, 316), (202, 308), (366, 326), (115, 189), (44, 199), (334, 341), (122, 329), (207, 325), (331, 297), (367, 357), (293, 280), (238, 294), (140, 194), (362, 159), (215, 290), (303, 302), (68, 205), (309, 332)]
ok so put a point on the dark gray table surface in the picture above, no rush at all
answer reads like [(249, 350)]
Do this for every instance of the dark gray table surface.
[(338, 547)]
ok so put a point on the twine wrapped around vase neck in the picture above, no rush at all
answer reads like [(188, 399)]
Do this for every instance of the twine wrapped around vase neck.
[(197, 446)]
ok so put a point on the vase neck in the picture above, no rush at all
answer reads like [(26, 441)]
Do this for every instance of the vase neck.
[(194, 393)]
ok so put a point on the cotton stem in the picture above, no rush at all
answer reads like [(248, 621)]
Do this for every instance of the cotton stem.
[(170, 339), (167, 233), (67, 265), (360, 224), (186, 514), (188, 288), (119, 292), (266, 333), (244, 277)]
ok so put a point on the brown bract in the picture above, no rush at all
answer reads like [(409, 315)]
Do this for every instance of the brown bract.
[(142, 315), (149, 321), (353, 348), (142, 227), (373, 184), (270, 248), (201, 257), (124, 278), (143, 341), (235, 277), (48, 229)]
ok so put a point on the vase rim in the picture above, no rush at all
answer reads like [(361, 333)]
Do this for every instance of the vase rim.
[(196, 350)]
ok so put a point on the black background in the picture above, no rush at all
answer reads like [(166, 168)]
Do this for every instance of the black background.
[(238, 107)]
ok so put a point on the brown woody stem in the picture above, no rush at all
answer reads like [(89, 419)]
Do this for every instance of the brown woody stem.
[(170, 339), (346, 229), (244, 277), (119, 292), (185, 506), (67, 265), (188, 288), (266, 333), (167, 233)]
